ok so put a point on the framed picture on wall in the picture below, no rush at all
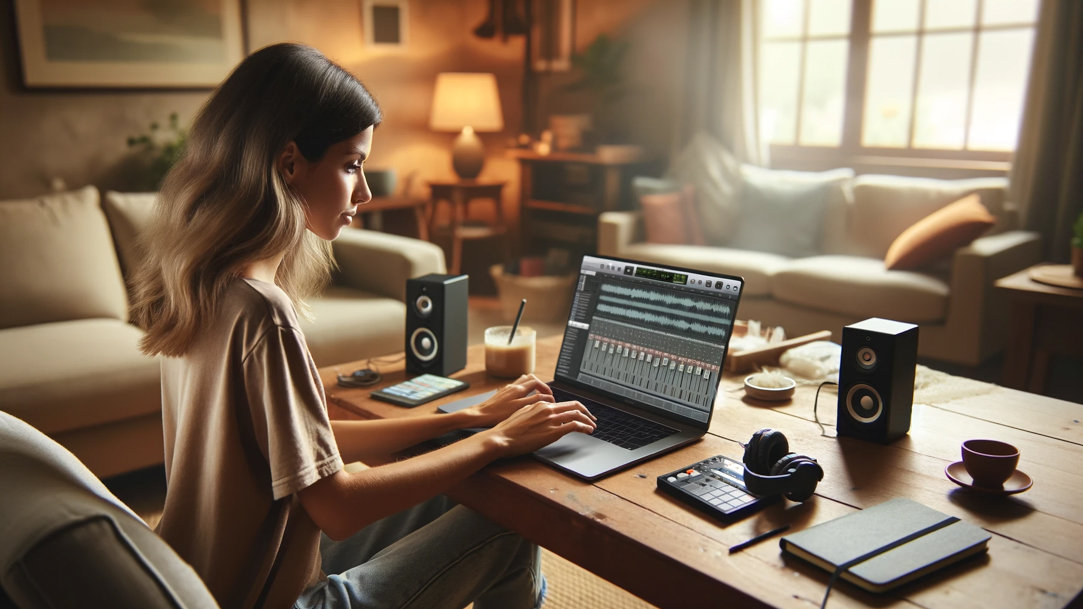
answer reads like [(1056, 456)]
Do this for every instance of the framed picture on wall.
[(384, 22), (124, 44)]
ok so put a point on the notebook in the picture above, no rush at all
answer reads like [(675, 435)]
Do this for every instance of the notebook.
[(887, 545), (643, 350)]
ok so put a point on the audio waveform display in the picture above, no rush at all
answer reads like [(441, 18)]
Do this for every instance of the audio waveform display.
[(662, 320), (670, 300)]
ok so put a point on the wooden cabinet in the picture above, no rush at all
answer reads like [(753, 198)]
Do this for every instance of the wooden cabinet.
[(562, 194)]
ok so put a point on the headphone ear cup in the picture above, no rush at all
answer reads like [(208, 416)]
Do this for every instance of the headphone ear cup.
[(803, 473), (764, 449)]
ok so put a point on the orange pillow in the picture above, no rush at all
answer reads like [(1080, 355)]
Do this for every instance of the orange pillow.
[(670, 217), (939, 234)]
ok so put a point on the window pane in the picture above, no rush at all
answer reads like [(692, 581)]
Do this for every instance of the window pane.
[(779, 75), (825, 91), (829, 17), (998, 12), (950, 13), (895, 15), (940, 115), (1003, 62), (783, 18), (889, 86)]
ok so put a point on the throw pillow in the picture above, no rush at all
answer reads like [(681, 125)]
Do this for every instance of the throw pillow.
[(716, 175), (939, 233), (671, 217), (780, 216)]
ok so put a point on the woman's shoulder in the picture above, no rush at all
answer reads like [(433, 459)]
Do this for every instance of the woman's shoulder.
[(262, 299)]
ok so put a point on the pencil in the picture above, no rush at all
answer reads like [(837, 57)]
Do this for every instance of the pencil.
[(737, 547)]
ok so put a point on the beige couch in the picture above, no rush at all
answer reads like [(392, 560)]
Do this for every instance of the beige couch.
[(70, 360), (821, 269)]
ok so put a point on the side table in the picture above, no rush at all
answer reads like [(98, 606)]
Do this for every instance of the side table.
[(1046, 320), (459, 194), (402, 215)]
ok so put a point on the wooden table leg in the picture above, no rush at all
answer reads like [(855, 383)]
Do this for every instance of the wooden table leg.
[(1019, 354)]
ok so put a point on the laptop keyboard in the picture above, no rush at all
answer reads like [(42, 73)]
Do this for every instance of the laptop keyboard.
[(618, 427)]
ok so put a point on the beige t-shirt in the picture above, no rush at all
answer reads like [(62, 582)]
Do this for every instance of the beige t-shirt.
[(246, 428)]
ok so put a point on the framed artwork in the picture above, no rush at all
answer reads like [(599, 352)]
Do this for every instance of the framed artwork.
[(124, 44), (553, 36), (384, 22)]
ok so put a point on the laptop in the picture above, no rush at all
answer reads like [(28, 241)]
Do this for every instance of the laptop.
[(643, 350)]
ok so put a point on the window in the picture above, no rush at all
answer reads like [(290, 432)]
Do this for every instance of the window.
[(940, 79)]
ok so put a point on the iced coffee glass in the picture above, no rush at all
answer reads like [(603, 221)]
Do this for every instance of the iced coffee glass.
[(505, 360)]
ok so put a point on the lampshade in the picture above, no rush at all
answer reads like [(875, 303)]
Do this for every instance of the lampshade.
[(466, 102), (464, 99)]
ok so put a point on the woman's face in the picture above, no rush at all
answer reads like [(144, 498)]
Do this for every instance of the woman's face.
[(334, 186)]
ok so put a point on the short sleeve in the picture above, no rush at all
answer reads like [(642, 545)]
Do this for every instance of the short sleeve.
[(289, 413)]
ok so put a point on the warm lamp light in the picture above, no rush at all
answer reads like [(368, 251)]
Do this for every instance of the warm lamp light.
[(467, 103)]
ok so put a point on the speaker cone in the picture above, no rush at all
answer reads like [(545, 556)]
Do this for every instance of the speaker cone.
[(864, 403), (423, 344)]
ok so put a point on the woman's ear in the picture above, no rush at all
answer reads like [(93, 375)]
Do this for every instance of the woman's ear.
[(287, 162)]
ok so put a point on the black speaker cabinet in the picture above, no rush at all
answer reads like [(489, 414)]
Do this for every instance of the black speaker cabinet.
[(436, 324), (876, 379)]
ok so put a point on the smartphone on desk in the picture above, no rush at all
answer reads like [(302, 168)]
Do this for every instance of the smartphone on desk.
[(419, 390)]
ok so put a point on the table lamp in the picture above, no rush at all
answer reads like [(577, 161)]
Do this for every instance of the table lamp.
[(467, 103)]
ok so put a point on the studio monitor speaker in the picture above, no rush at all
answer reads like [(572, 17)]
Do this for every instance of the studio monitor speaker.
[(876, 379), (436, 324)]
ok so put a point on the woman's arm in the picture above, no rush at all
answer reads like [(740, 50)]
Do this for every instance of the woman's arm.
[(363, 440), (344, 503)]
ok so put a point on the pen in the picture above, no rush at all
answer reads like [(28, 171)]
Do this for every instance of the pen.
[(758, 538)]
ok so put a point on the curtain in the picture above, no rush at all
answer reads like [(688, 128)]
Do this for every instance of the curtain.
[(1047, 171), (720, 78)]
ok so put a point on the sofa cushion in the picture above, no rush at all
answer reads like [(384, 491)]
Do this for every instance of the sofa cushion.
[(66, 541), (76, 374), (348, 324), (128, 214), (716, 175), (59, 261), (757, 268), (884, 206), (939, 234), (861, 287)]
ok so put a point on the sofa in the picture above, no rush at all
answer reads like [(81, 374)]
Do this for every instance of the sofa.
[(821, 250), (71, 366)]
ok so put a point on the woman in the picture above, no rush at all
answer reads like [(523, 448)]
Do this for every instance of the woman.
[(272, 173)]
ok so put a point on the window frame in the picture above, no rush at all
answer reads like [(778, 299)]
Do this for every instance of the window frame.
[(935, 162)]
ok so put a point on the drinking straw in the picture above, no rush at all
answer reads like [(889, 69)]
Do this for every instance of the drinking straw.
[(518, 317)]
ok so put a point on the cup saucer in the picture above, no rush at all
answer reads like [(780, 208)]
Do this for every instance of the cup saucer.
[(1016, 483)]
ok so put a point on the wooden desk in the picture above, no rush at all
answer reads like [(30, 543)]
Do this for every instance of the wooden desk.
[(624, 530), (459, 194), (1046, 320)]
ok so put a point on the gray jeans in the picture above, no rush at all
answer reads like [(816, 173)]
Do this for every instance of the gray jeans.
[(436, 554)]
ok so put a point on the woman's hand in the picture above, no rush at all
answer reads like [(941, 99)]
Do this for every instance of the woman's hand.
[(527, 389), (540, 424)]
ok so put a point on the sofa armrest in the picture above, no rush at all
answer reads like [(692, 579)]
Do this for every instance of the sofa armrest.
[(975, 304), (617, 230), (381, 262)]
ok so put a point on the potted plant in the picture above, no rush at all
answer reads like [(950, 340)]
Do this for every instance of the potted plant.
[(1077, 246), (602, 79), (160, 148)]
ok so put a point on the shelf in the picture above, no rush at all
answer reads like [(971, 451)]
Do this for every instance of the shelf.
[(560, 206)]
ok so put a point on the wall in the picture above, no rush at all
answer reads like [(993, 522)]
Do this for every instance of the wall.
[(71, 138)]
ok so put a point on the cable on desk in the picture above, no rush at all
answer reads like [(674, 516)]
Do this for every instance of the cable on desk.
[(816, 404)]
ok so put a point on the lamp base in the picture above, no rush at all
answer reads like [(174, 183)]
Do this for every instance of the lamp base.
[(467, 154)]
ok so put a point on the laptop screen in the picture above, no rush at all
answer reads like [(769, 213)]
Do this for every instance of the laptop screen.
[(650, 335)]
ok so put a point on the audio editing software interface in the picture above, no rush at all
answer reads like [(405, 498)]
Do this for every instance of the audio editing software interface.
[(650, 335)]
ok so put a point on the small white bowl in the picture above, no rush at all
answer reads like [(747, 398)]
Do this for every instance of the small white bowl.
[(770, 394)]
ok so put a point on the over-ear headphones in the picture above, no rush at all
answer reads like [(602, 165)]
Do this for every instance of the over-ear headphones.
[(771, 469)]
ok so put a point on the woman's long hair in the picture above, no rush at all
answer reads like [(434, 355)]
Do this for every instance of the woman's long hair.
[(224, 205)]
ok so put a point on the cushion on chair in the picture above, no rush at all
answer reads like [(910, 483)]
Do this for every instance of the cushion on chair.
[(939, 234), (66, 541), (128, 214), (61, 263)]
